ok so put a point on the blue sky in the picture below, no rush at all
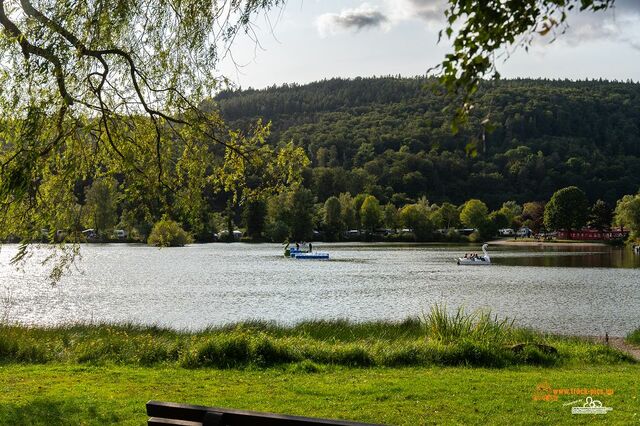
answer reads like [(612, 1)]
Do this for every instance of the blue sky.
[(314, 39)]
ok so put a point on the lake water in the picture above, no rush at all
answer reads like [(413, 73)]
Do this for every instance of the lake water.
[(578, 290)]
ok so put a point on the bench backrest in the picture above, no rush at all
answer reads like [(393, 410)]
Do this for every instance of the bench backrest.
[(168, 413)]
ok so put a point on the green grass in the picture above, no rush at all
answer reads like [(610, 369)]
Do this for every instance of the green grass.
[(634, 337), (440, 338), (65, 394), (417, 371)]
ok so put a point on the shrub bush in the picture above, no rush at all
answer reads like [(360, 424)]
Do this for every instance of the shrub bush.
[(475, 237), (168, 233)]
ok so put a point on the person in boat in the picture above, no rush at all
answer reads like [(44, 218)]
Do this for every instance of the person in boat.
[(466, 255), (310, 248), (297, 246)]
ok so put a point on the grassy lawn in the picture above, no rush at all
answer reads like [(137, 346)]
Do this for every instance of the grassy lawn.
[(447, 368), (53, 394)]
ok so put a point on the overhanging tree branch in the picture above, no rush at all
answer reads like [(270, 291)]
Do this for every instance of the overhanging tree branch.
[(28, 49)]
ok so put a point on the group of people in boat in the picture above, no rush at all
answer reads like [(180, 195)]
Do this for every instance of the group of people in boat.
[(302, 244), (473, 256)]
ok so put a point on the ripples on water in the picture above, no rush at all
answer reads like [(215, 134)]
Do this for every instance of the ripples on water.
[(579, 290)]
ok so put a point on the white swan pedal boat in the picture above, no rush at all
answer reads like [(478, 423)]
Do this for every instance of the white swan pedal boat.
[(476, 261)]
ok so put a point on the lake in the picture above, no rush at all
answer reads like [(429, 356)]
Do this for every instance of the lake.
[(586, 290)]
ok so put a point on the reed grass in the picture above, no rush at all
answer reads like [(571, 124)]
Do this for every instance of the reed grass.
[(479, 326), (440, 338)]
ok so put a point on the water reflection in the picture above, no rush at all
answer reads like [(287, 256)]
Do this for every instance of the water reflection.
[(586, 290), (573, 257)]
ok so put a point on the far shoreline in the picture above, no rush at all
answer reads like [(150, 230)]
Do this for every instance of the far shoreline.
[(547, 243)]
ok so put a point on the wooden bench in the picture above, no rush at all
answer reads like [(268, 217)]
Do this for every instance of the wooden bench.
[(168, 413)]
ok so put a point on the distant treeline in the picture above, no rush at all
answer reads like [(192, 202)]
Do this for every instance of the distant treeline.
[(296, 216), (391, 137), (383, 156)]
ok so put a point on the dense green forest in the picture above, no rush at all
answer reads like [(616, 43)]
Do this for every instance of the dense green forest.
[(391, 137), (382, 156)]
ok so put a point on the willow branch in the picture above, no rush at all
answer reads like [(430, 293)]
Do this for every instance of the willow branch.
[(29, 49)]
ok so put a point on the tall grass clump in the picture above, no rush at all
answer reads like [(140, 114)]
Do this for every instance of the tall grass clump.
[(17, 348), (634, 337), (225, 351), (482, 339), (347, 331), (237, 349), (479, 326)]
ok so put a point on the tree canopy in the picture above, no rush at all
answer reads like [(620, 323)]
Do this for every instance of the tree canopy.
[(371, 213), (627, 213), (113, 90), (567, 209), (474, 213), (121, 92)]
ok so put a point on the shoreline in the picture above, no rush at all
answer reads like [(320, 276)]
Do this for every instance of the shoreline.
[(594, 338), (412, 342), (547, 243), (616, 342)]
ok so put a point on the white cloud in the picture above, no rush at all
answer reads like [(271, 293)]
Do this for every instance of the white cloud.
[(363, 17), (392, 13), (429, 11), (620, 24)]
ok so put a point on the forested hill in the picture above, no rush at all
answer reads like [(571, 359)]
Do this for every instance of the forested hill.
[(391, 137)]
